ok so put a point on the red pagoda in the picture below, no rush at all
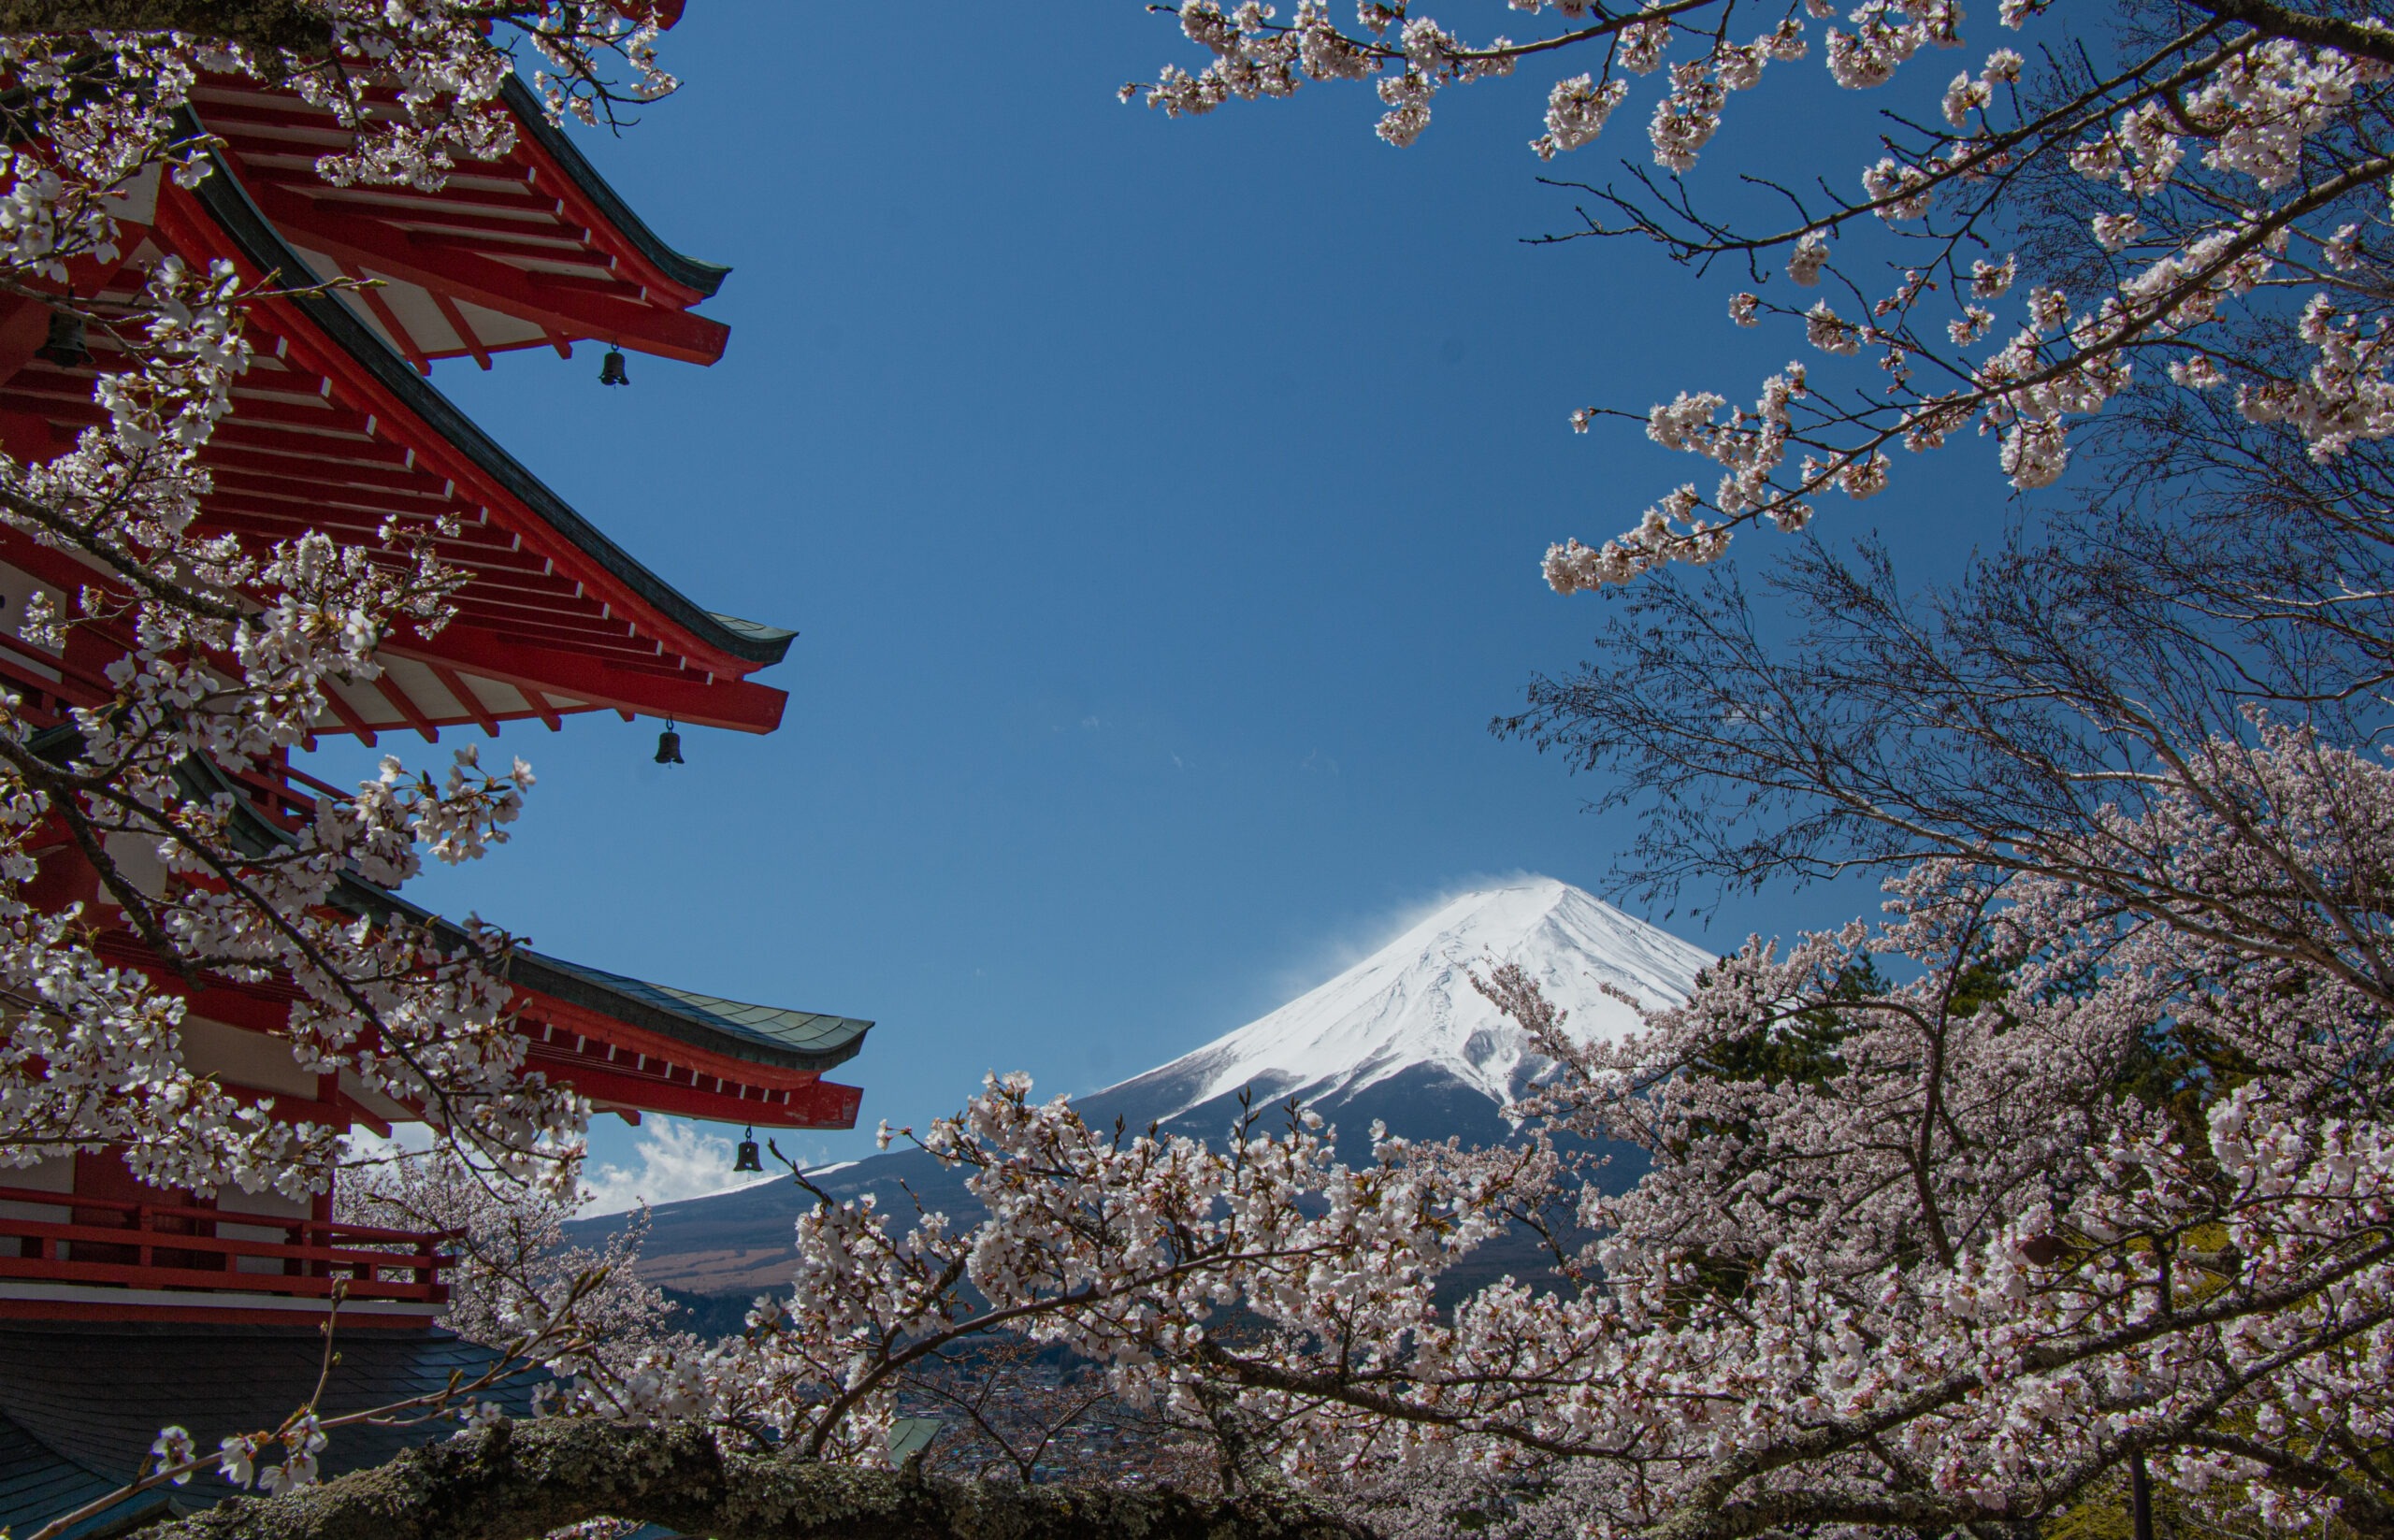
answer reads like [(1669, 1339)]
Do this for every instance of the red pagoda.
[(336, 428)]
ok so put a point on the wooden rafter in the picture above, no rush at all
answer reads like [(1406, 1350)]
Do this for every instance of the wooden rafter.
[(457, 685), (464, 328), (347, 716), (467, 271), (404, 705)]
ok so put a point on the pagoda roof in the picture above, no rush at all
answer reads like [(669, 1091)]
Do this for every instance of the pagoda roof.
[(769, 1036), (705, 277), (797, 1040), (629, 1044), (264, 246), (332, 430), (531, 250), (79, 1403)]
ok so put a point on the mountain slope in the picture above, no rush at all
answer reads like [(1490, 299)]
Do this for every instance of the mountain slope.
[(1402, 1037)]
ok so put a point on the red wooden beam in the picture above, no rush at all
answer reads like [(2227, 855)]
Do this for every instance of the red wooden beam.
[(524, 625), (401, 336), (298, 447), (459, 323), (487, 558), (825, 1105), (466, 697), (347, 717), (405, 706), (495, 285), (323, 417), (562, 611), (300, 501), (470, 231), (738, 704), (196, 1278), (591, 281), (821, 1105), (227, 110), (387, 201), (262, 420), (330, 471)]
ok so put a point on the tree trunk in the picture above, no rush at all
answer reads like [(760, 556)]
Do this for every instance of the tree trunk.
[(516, 1481)]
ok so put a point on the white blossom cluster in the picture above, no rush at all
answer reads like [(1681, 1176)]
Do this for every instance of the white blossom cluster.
[(518, 1284), (2240, 161), (1906, 1257)]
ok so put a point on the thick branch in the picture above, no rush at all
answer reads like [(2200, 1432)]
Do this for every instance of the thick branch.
[(2369, 39), (517, 1481), (298, 25)]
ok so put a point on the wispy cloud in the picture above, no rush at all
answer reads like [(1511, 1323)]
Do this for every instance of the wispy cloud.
[(677, 1159), (1342, 946)]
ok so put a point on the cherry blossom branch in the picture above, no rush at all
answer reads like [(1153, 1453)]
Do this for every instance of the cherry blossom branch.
[(2362, 39), (519, 1481)]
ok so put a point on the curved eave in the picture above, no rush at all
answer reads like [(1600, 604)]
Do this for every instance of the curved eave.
[(638, 1003), (225, 199), (705, 278), (81, 1398), (829, 1041), (632, 1001)]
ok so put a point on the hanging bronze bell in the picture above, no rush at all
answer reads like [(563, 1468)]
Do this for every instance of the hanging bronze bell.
[(611, 368), (668, 747), (64, 346), (747, 1159)]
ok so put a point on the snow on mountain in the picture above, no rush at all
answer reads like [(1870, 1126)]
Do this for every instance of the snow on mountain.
[(1404, 1031), (1401, 1038)]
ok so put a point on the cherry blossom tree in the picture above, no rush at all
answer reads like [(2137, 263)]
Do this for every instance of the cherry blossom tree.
[(2098, 199), (2093, 1191), (2073, 1173), (2085, 1192), (518, 1275), (2094, 1196)]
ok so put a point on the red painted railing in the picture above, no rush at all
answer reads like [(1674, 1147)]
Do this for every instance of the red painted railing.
[(288, 795), (170, 1246), (45, 686)]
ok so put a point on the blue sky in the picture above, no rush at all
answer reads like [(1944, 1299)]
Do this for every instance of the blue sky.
[(1159, 505)]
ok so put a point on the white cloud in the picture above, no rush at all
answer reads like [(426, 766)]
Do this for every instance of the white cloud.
[(678, 1160), (1345, 945), (405, 1139)]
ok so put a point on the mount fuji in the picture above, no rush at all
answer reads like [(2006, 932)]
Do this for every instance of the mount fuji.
[(1405, 1038), (1401, 1038)]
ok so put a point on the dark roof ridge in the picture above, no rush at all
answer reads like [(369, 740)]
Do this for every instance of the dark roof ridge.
[(688, 271), (636, 1003), (224, 198), (774, 1036), (766, 1034)]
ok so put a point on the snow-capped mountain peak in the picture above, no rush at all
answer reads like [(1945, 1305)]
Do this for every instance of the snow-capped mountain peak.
[(1401, 1037), (1405, 1021)]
